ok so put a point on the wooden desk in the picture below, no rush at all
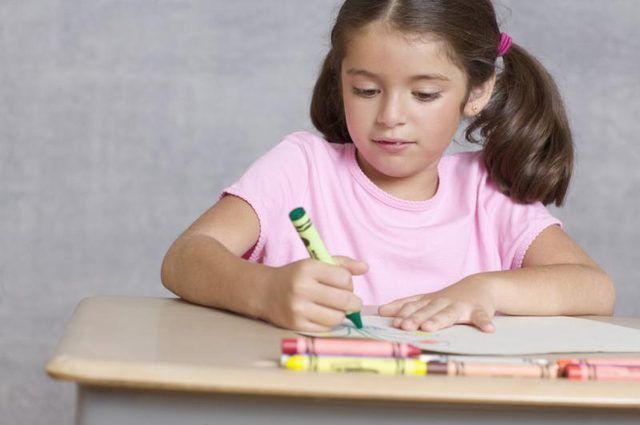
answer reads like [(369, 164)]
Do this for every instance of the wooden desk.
[(164, 361)]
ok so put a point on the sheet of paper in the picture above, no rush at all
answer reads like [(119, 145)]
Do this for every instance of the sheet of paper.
[(513, 336)]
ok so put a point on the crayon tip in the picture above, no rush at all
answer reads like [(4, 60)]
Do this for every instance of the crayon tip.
[(296, 213), (355, 318), (289, 346), (296, 363)]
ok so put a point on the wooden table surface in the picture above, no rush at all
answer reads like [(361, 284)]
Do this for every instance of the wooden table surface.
[(169, 344)]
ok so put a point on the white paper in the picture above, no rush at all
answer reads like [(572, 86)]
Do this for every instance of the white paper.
[(514, 335)]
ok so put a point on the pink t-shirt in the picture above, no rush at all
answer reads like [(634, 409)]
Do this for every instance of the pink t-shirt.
[(411, 247)]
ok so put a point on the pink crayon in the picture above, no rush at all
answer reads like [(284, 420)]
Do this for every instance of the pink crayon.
[(348, 347)]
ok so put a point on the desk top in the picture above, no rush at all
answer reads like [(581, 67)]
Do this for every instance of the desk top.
[(169, 344)]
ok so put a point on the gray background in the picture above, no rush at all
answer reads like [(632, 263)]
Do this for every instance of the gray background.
[(121, 120)]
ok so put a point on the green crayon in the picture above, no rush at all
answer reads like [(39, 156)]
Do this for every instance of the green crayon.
[(316, 248)]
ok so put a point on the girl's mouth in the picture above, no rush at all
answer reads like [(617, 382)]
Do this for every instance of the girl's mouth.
[(393, 145)]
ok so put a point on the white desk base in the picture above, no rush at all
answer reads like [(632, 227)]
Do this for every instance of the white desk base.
[(103, 406)]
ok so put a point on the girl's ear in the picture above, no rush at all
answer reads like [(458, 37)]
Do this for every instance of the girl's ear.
[(479, 97)]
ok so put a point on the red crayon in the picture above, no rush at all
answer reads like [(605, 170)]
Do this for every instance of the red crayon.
[(586, 372), (348, 347), (600, 361)]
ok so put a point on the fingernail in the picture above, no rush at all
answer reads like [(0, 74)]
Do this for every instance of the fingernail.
[(408, 325), (428, 326)]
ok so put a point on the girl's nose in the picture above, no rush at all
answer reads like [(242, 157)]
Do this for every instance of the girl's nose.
[(391, 112)]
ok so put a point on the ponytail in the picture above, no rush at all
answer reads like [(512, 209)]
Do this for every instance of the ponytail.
[(528, 149)]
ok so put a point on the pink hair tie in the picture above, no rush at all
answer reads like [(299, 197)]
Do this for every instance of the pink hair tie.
[(505, 44)]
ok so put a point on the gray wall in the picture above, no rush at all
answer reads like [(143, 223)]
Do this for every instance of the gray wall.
[(121, 120)]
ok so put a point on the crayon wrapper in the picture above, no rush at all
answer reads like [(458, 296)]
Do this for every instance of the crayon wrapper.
[(355, 365), (584, 372)]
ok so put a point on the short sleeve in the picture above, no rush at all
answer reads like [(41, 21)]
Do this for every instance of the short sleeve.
[(270, 185), (516, 225)]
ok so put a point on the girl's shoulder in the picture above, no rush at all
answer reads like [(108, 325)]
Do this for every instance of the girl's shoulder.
[(297, 153), (470, 179)]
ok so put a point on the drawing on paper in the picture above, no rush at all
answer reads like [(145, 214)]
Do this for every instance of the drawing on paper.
[(376, 327)]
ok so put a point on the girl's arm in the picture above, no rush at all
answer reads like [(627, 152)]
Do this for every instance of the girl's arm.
[(204, 266), (557, 278)]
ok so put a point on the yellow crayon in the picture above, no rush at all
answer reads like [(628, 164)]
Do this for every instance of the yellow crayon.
[(316, 248), (381, 366)]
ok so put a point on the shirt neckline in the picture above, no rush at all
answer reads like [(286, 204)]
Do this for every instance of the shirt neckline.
[(387, 198)]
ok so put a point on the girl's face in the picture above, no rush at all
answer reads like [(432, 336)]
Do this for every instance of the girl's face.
[(403, 99)]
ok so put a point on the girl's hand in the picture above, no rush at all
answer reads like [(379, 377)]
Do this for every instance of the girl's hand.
[(468, 301), (312, 296)]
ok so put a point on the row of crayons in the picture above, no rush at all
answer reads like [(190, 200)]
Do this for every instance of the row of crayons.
[(394, 358)]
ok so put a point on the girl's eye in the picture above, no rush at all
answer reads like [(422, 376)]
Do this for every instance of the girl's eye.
[(365, 92), (422, 97), (426, 97)]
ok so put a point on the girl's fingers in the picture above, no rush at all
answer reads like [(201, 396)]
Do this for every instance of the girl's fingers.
[(330, 275), (324, 317), (424, 313), (406, 318), (452, 314), (335, 298), (482, 321), (354, 266), (307, 326), (338, 276), (448, 316), (392, 308)]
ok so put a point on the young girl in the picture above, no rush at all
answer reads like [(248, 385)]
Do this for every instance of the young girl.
[(434, 240)]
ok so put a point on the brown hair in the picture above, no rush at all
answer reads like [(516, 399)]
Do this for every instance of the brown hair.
[(527, 145)]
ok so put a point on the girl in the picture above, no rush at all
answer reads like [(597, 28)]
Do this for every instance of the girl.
[(440, 239)]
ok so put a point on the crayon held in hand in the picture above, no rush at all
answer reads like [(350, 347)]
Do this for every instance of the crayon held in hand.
[(316, 248)]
